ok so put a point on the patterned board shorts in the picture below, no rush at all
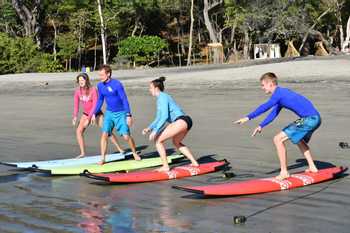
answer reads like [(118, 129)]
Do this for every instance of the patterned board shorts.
[(302, 129)]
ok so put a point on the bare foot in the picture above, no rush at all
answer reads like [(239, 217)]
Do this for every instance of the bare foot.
[(137, 157), (101, 162), (162, 169), (80, 156), (282, 176), (312, 170), (194, 164), (122, 151)]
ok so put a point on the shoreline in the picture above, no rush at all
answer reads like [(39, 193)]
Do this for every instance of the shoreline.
[(323, 67)]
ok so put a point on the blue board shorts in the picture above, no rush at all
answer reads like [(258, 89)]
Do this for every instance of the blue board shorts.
[(115, 120), (302, 129)]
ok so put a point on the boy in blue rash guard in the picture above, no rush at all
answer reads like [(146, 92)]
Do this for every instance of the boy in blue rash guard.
[(177, 129), (299, 132), (117, 114)]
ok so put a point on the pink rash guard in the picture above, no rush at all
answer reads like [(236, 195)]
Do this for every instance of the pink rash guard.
[(88, 101)]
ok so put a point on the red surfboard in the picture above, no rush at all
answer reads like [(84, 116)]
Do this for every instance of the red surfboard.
[(148, 176), (264, 185)]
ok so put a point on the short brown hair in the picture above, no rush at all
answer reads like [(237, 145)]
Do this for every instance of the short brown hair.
[(106, 68), (269, 76)]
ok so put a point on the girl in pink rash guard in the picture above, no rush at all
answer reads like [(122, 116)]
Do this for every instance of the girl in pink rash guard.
[(86, 96)]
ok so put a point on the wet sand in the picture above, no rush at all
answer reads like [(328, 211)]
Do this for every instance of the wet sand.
[(36, 125)]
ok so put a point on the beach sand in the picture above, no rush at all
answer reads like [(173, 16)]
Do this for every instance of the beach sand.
[(36, 125)]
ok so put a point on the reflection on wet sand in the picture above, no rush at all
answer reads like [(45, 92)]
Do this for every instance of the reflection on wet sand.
[(93, 218)]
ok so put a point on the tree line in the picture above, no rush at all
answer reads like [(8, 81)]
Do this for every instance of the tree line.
[(62, 35)]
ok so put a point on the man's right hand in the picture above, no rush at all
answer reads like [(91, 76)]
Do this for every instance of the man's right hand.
[(242, 120), (129, 121)]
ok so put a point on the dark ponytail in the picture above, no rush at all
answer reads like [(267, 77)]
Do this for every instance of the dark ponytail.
[(159, 82)]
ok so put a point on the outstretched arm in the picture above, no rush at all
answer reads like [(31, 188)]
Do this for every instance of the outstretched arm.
[(273, 114), (76, 107), (263, 108), (76, 104)]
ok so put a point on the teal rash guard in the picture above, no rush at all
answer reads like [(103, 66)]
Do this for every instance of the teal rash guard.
[(167, 111)]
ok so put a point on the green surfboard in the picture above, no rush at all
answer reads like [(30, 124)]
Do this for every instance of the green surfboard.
[(125, 165)]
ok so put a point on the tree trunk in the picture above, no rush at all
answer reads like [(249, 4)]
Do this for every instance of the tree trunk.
[(178, 53), (246, 44), (79, 46), (103, 40), (135, 27), (191, 35), (339, 5), (208, 24), (70, 63), (312, 27), (54, 39), (29, 18), (95, 52), (178, 42), (347, 39), (341, 35)]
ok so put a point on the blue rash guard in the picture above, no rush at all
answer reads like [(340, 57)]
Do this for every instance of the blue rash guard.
[(167, 111), (114, 93), (284, 98)]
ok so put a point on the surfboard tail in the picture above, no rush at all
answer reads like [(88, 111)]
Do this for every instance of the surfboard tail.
[(8, 164), (88, 174)]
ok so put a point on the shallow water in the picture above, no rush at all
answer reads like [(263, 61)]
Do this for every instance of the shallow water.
[(36, 126)]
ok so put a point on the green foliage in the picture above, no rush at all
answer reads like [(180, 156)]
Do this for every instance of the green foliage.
[(47, 64), (141, 49), (77, 25), (8, 19), (68, 45), (19, 55)]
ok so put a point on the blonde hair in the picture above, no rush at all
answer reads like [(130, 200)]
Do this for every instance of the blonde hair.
[(269, 76)]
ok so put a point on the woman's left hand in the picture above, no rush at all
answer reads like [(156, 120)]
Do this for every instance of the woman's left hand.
[(93, 119), (145, 131), (152, 136)]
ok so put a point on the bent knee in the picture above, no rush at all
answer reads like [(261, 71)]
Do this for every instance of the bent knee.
[(177, 144), (159, 141), (104, 135), (126, 137), (80, 130), (277, 139)]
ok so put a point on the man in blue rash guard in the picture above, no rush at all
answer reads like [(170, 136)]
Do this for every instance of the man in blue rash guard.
[(299, 132), (117, 114)]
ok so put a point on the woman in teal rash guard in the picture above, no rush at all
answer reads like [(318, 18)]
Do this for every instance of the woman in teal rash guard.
[(177, 129)]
